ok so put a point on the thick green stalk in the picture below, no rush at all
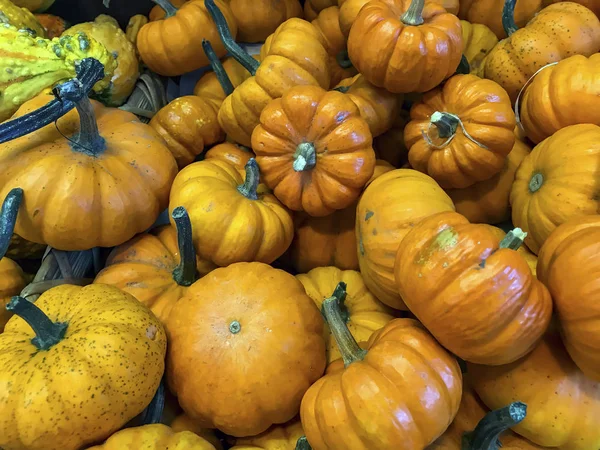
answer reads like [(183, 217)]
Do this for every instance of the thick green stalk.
[(486, 435), (446, 123), (8, 218), (305, 157), (508, 17), (513, 239), (185, 273), (217, 67), (414, 13), (248, 189), (302, 444), (167, 7)]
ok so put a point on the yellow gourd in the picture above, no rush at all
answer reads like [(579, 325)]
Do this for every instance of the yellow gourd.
[(19, 17), (37, 6)]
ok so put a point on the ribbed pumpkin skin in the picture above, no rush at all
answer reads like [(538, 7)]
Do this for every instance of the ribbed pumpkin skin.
[(12, 281), (278, 437), (556, 182), (478, 41), (548, 102), (234, 154), (489, 13), (257, 19)]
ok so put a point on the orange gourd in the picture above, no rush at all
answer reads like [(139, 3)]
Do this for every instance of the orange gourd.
[(489, 13), (236, 155), (256, 20), (457, 278)]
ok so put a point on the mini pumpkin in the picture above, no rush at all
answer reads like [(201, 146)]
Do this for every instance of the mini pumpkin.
[(236, 155), (21, 18), (256, 20), (254, 331), (478, 41), (546, 194), (158, 13), (314, 150), (183, 422), (489, 13), (78, 353), (461, 133), (278, 437)]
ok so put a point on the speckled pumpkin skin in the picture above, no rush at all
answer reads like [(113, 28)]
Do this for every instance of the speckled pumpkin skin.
[(103, 373), (12, 280)]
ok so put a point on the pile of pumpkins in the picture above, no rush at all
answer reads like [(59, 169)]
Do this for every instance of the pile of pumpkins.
[(384, 228)]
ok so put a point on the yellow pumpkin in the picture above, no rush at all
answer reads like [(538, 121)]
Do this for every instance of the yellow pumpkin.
[(12, 281), (478, 41), (34, 5)]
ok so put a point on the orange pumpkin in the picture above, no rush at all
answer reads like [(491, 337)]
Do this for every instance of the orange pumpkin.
[(530, 258), (461, 133), (278, 437), (171, 46), (236, 155), (256, 20), (570, 268), (388, 209), (547, 104), (402, 392), (488, 201), (158, 13), (457, 278), (53, 25), (544, 40), (209, 87), (419, 43), (563, 405), (314, 150), (489, 13), (556, 182), (317, 6), (255, 331)]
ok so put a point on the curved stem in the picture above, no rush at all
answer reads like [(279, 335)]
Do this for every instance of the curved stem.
[(414, 13), (238, 53), (185, 273), (248, 189), (536, 182), (331, 310), (88, 139), (464, 68), (167, 7), (305, 157), (485, 435), (217, 67), (446, 123), (343, 59), (508, 17), (302, 444), (47, 333), (89, 71), (8, 218), (513, 239)]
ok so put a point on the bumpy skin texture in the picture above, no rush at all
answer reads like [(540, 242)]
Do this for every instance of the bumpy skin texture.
[(278, 437), (277, 348), (34, 5), (557, 32), (103, 372), (19, 17), (556, 182), (489, 13), (76, 201), (12, 281), (257, 19), (410, 58), (403, 395), (456, 280), (570, 268), (565, 94), (478, 41), (487, 116), (563, 405)]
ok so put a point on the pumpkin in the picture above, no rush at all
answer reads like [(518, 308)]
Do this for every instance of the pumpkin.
[(489, 13), (293, 55), (133, 29), (478, 41), (544, 108), (529, 257), (278, 437), (23, 249), (461, 133), (36, 64), (389, 146), (187, 124), (54, 26), (20, 18), (327, 22), (562, 403), (158, 267), (388, 209), (546, 194), (314, 150), (95, 179), (377, 106), (488, 201), (544, 40), (184, 423), (106, 30), (318, 5), (256, 20), (594, 5), (158, 13), (34, 5), (403, 373), (569, 267), (457, 278), (254, 331), (12, 281), (309, 13), (362, 312), (208, 85), (232, 220), (171, 46), (77, 355), (236, 155), (420, 44)]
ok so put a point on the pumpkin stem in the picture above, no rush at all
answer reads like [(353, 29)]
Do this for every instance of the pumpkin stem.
[(302, 444), (167, 7), (235, 327), (343, 59), (342, 89), (47, 333), (217, 67), (536, 182), (508, 17), (332, 311), (513, 239), (88, 140), (248, 189), (238, 53), (8, 217), (414, 13), (464, 68), (486, 433), (185, 273), (305, 157), (446, 123)]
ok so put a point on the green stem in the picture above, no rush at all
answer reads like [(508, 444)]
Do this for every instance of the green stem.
[(488, 430), (88, 140), (47, 333), (331, 310), (248, 189), (238, 53), (536, 182), (343, 59), (305, 157), (8, 218), (235, 327), (217, 67), (185, 273), (342, 89), (302, 444), (446, 123), (167, 7), (414, 13), (464, 68), (508, 17), (513, 239)]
